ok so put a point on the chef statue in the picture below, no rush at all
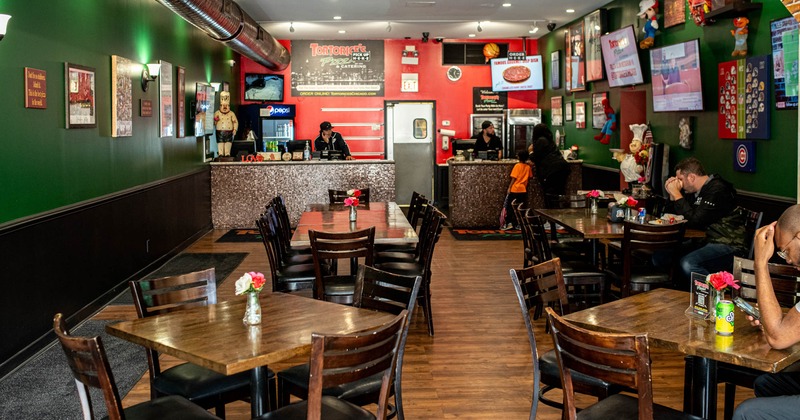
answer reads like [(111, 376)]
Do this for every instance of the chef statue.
[(647, 11), (225, 123), (632, 164)]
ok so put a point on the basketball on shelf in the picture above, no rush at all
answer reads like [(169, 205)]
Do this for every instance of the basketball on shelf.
[(490, 51)]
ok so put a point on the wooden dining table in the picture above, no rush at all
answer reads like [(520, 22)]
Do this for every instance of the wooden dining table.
[(215, 337), (661, 314), (391, 225)]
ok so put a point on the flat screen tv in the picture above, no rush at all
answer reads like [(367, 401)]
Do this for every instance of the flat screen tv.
[(676, 77), (263, 87), (517, 74), (621, 57)]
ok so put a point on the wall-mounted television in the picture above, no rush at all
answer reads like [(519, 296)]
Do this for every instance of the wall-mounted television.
[(517, 74), (263, 87), (676, 77), (621, 58)]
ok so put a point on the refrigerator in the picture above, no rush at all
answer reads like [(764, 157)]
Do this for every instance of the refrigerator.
[(277, 127), (519, 130)]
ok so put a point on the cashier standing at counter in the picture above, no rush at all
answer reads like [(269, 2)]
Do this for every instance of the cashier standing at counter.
[(331, 140), (487, 140)]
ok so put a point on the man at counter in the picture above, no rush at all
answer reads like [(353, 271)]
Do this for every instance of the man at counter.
[(331, 140), (487, 140)]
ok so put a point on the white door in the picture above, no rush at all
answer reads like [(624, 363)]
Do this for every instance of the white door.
[(409, 142)]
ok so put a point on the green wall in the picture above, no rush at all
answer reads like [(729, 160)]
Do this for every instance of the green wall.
[(776, 158), (46, 166)]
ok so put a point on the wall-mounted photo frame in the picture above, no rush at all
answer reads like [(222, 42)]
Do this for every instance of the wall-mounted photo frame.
[(674, 12), (555, 69), (594, 25), (575, 68), (181, 102), (80, 95), (556, 115), (598, 112), (568, 111), (122, 96), (166, 108), (580, 114)]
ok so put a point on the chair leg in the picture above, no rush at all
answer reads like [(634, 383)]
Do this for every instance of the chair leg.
[(219, 409), (687, 385), (398, 401), (283, 394), (428, 311), (730, 400)]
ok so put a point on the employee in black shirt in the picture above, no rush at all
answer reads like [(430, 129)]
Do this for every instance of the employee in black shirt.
[(331, 140), (487, 140)]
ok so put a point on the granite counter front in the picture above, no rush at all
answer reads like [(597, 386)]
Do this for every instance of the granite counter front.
[(240, 191)]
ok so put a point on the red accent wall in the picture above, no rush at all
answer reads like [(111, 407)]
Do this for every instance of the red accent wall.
[(453, 99)]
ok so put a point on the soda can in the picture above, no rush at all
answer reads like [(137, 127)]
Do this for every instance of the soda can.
[(724, 322), (642, 215)]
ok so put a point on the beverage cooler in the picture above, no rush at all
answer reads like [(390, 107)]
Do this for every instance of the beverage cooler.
[(277, 127), (519, 130)]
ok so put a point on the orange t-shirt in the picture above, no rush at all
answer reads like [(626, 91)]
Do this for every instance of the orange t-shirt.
[(521, 174)]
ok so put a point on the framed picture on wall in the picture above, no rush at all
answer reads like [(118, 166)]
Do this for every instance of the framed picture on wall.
[(556, 116), (121, 96), (580, 114), (555, 69), (165, 104), (575, 78), (181, 103), (674, 12), (598, 112), (80, 95), (568, 111), (594, 26)]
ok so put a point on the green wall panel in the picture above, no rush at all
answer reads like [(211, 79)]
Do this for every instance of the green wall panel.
[(776, 158)]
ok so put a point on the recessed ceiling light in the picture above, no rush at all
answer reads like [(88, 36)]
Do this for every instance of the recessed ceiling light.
[(506, 4), (340, 18), (570, 10), (342, 31), (471, 35)]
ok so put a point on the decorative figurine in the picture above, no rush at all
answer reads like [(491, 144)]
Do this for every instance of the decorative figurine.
[(685, 136), (610, 125), (699, 8), (632, 164), (740, 36), (647, 11), (225, 123)]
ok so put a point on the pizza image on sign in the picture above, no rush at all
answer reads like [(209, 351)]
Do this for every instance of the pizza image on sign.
[(525, 74), (516, 74)]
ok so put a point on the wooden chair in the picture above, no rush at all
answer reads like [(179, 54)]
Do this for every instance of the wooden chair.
[(543, 285), (751, 225), (377, 290), (285, 277), (338, 196), (332, 246), (410, 253), (90, 368), (197, 384), (283, 229), (623, 359), (339, 359)]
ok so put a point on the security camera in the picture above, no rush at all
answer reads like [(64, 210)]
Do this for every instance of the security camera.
[(425, 36), (551, 26), (438, 40)]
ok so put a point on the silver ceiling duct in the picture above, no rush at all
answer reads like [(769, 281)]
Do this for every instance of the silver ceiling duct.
[(226, 22)]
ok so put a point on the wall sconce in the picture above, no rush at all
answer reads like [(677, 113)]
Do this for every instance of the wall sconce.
[(3, 24), (215, 85), (149, 74)]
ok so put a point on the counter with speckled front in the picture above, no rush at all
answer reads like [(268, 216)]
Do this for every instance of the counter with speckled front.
[(477, 191), (239, 191)]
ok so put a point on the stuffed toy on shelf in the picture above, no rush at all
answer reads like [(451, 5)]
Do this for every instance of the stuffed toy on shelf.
[(698, 9), (610, 125), (647, 11), (740, 36)]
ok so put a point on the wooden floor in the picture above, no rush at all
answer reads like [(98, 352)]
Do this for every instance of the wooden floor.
[(478, 365)]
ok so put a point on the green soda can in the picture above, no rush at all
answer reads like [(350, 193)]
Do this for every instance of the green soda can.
[(724, 322)]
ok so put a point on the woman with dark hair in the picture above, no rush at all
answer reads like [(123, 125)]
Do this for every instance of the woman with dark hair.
[(551, 168)]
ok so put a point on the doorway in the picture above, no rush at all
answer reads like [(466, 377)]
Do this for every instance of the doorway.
[(410, 130)]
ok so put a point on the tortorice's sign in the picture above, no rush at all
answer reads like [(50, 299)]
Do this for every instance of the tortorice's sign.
[(337, 68)]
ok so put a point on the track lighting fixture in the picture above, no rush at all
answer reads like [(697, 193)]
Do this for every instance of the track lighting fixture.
[(479, 27), (291, 26), (534, 27)]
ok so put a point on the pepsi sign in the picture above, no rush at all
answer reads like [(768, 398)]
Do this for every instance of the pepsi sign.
[(744, 156), (278, 111)]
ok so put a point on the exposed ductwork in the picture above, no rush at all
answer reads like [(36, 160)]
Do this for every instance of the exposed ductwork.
[(226, 22)]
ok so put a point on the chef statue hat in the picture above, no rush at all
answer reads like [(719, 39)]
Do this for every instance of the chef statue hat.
[(644, 5)]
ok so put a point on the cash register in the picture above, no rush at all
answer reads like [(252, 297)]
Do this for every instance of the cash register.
[(331, 155)]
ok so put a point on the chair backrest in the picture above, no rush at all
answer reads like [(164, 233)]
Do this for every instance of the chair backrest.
[(338, 196), (785, 281), (413, 206), (90, 368), (751, 224), (384, 291), (339, 245), (418, 211), (338, 359), (429, 238), (647, 237), (268, 238), (284, 225), (525, 230), (540, 243), (622, 359)]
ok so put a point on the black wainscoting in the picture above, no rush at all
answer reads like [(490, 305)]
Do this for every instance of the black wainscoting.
[(75, 260)]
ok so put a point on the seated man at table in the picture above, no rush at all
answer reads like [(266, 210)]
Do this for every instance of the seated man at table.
[(331, 140), (707, 202), (778, 394)]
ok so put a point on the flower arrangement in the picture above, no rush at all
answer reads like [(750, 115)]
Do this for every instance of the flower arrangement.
[(642, 157), (251, 282), (627, 202), (352, 198), (721, 280), (595, 194)]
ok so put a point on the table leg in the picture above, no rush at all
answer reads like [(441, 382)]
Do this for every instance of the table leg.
[(704, 388), (258, 386)]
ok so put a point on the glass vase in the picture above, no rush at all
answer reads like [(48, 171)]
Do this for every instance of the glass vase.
[(353, 213), (629, 214), (252, 313), (593, 205)]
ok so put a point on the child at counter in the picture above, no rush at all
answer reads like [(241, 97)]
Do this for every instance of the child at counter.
[(517, 190)]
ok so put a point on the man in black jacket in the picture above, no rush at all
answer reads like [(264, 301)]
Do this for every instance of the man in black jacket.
[(709, 204), (331, 140)]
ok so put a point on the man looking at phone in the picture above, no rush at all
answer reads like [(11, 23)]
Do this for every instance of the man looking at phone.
[(778, 393)]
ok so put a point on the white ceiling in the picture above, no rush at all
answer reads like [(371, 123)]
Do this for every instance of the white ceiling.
[(447, 19)]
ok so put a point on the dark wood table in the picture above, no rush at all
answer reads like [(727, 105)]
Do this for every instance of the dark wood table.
[(660, 313), (391, 225), (214, 336)]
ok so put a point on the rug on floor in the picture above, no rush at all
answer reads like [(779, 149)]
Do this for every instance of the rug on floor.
[(485, 234), (44, 388), (241, 235), (224, 263)]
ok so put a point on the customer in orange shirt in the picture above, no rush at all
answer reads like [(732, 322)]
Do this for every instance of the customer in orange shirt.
[(517, 189)]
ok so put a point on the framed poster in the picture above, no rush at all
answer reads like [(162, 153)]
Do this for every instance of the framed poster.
[(203, 109), (181, 120), (337, 68), (568, 111), (556, 116), (555, 69), (744, 156), (594, 26), (121, 97), (80, 96), (580, 114), (744, 98), (575, 78), (674, 12), (165, 114), (598, 111), (784, 62)]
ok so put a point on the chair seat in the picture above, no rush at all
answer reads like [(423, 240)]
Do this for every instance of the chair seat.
[(332, 409), (197, 383), (584, 384), (360, 392), (172, 407), (294, 259), (340, 285), (621, 406), (295, 277)]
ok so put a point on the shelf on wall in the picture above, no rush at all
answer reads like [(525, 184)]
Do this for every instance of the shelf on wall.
[(734, 10)]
